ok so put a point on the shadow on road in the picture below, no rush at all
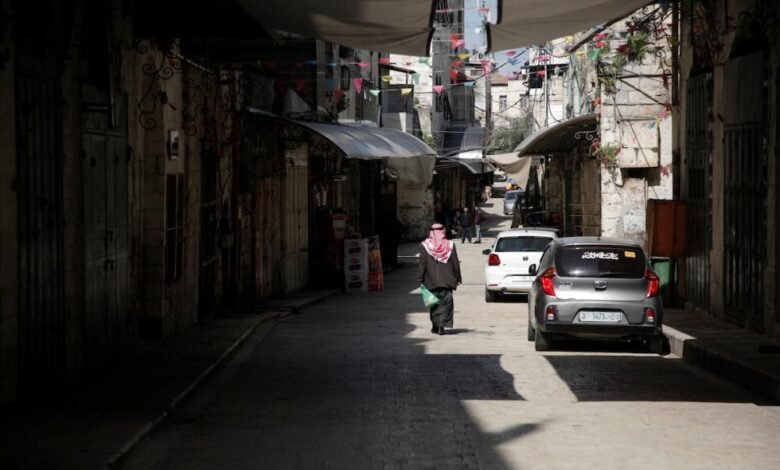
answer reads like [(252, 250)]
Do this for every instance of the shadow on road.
[(352, 383), (652, 378)]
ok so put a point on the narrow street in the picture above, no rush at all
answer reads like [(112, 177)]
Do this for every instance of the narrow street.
[(358, 381)]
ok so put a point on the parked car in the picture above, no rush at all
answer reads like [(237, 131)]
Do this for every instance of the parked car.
[(513, 252), (594, 287), (510, 201)]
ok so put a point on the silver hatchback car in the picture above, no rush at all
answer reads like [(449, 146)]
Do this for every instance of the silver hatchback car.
[(592, 287)]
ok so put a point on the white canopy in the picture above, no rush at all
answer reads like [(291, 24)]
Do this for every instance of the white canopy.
[(410, 157), (397, 26), (528, 22), (405, 26)]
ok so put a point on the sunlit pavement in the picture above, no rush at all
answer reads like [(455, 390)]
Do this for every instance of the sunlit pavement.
[(358, 381)]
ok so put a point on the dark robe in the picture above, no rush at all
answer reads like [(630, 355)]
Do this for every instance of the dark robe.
[(441, 279)]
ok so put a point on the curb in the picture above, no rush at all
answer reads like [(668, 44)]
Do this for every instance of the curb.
[(146, 430), (744, 375)]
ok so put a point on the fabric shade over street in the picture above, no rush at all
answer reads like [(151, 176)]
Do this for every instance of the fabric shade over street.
[(409, 156), (528, 22), (397, 26), (561, 137), (475, 166), (466, 142), (510, 162), (405, 26), (514, 167)]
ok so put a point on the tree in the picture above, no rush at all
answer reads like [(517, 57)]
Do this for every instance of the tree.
[(505, 139)]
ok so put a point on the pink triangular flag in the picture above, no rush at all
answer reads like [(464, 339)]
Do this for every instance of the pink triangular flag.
[(510, 53), (459, 43), (384, 60), (362, 65), (358, 84), (438, 89)]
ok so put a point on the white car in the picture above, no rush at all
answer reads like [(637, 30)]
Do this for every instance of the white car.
[(510, 257)]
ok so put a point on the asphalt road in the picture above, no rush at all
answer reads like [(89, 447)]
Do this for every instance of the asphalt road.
[(358, 381)]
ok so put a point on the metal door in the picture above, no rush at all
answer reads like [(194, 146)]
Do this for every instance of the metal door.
[(107, 322), (40, 222), (389, 230), (698, 189), (296, 233), (209, 220), (745, 211)]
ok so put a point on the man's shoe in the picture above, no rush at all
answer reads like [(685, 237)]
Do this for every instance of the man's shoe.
[(440, 331), (434, 330)]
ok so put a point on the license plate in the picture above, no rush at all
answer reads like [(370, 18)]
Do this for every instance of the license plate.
[(521, 278), (601, 317)]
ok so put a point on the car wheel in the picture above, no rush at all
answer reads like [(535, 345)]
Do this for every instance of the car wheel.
[(531, 331), (541, 341), (656, 343), (490, 296)]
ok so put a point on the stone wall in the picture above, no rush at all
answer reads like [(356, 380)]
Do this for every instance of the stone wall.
[(9, 288), (637, 119), (415, 210)]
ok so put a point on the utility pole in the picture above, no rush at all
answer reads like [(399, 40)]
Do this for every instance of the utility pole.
[(546, 97)]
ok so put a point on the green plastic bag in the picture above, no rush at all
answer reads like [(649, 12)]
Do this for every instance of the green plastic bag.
[(429, 298)]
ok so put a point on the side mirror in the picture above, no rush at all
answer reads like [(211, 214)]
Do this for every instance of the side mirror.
[(486, 251), (532, 269)]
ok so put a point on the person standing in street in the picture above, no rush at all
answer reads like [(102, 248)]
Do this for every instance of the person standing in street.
[(440, 274), (477, 226), (466, 220)]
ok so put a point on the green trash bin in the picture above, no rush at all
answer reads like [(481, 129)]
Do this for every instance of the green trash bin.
[(663, 268)]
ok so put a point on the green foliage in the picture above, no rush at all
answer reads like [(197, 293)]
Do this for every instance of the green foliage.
[(506, 138), (607, 155)]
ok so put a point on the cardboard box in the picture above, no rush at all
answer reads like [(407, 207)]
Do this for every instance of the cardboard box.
[(355, 247)]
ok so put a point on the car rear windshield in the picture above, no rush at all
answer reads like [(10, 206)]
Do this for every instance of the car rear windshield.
[(522, 244), (600, 261)]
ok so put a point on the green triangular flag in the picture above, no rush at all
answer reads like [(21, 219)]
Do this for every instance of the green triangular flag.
[(374, 92), (416, 77)]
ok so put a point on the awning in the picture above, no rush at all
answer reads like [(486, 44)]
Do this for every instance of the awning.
[(409, 156), (474, 166), (466, 142), (397, 26), (561, 137), (515, 168), (528, 22), (405, 26)]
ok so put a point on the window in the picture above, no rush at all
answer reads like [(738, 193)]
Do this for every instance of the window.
[(600, 261), (523, 244), (346, 77), (174, 227), (502, 102)]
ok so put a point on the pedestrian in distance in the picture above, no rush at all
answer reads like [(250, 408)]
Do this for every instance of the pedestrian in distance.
[(440, 274), (466, 221), (453, 228), (477, 224)]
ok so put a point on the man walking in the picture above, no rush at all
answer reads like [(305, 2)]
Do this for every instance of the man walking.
[(477, 222), (466, 220)]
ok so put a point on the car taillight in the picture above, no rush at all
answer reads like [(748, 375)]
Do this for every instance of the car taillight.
[(652, 283), (649, 315), (547, 282), (494, 260), (549, 313)]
